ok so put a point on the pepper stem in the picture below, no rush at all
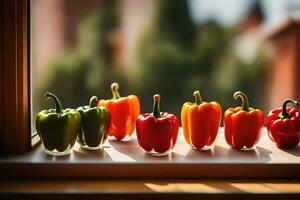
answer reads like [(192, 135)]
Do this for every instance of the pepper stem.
[(284, 114), (58, 106), (114, 89), (156, 106), (93, 102), (198, 99), (245, 101)]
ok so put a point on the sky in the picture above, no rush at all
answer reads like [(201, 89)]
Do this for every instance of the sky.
[(230, 12)]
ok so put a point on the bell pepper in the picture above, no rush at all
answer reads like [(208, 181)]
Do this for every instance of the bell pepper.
[(200, 122), (157, 131), (243, 125), (283, 125), (95, 122), (123, 111), (58, 128)]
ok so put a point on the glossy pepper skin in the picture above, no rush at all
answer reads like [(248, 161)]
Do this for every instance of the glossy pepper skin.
[(123, 111), (200, 122), (95, 122), (243, 125), (283, 125), (58, 128), (157, 132)]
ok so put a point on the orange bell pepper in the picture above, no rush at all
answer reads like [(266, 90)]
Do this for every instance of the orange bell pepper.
[(124, 112), (242, 125), (200, 122)]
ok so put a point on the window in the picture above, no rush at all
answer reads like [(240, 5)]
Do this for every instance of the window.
[(80, 48)]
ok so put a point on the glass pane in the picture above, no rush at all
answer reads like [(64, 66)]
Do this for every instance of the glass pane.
[(170, 47)]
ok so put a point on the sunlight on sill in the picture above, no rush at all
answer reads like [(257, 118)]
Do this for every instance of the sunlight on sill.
[(253, 187), (182, 150), (118, 156), (215, 187), (183, 187), (283, 187)]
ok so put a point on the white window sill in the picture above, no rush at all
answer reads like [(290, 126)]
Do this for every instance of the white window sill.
[(126, 159)]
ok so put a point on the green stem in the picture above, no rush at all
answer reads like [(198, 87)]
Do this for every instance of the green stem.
[(58, 106), (245, 101), (198, 99), (156, 106), (114, 89), (284, 114), (93, 102)]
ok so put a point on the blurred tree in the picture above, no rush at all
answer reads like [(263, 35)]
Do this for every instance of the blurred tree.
[(165, 60), (178, 57), (173, 23)]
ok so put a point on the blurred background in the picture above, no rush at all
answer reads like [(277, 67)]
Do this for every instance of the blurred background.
[(170, 47)]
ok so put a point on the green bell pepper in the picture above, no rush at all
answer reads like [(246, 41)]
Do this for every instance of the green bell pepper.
[(58, 128), (95, 122)]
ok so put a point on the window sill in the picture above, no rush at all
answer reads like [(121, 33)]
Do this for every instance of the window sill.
[(127, 160)]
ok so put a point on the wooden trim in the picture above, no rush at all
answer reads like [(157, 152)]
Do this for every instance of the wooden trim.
[(297, 64), (149, 189), (147, 196), (1, 77), (129, 170), (16, 92), (35, 141)]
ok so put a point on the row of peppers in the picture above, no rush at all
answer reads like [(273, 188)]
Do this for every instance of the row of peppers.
[(157, 131)]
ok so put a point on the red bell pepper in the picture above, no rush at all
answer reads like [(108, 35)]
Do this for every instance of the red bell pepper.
[(157, 132), (283, 125), (242, 125)]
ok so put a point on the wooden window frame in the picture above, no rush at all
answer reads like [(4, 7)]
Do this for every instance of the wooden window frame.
[(15, 129)]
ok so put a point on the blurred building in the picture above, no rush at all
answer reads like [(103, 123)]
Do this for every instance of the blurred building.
[(53, 25), (135, 16), (250, 36), (254, 19), (283, 46), (284, 70)]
